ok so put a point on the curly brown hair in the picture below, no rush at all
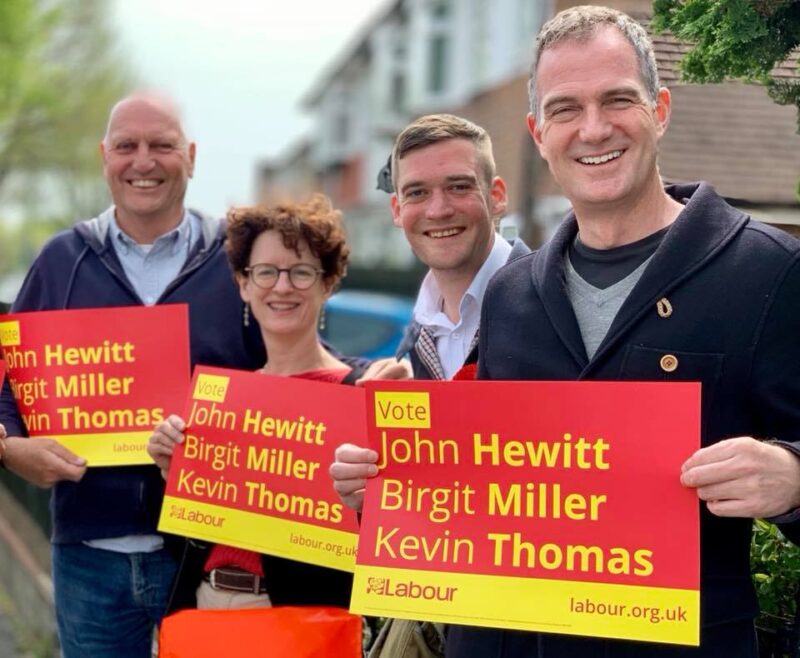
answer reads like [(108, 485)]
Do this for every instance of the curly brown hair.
[(315, 221)]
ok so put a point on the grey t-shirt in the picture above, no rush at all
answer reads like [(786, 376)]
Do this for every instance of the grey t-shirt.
[(600, 280)]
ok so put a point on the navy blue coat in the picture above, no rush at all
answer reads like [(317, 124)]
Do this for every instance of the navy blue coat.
[(734, 287), (79, 268)]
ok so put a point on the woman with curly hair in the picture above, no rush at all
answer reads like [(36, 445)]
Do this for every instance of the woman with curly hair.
[(287, 260)]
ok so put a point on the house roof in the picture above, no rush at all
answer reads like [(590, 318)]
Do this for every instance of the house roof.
[(732, 135), (669, 52), (736, 137)]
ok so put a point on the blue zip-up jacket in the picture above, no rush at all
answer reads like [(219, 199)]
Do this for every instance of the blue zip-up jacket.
[(79, 268)]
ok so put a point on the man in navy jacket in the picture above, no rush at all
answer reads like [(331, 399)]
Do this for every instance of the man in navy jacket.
[(111, 572), (643, 282)]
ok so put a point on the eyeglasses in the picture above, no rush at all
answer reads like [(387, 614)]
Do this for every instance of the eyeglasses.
[(301, 276)]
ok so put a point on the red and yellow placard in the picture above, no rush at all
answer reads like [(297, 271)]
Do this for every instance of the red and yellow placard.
[(98, 380), (542, 506), (253, 469)]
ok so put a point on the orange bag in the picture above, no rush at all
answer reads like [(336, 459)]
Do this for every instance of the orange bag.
[(282, 632)]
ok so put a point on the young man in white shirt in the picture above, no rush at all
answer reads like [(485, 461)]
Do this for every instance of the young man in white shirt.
[(447, 199)]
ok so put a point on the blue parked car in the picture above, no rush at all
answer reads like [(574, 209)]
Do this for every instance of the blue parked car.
[(370, 324)]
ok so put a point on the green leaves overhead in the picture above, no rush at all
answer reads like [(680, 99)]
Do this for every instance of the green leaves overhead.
[(743, 39), (59, 75)]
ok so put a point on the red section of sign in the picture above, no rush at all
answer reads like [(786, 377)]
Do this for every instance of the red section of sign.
[(267, 445), (609, 504), (97, 371)]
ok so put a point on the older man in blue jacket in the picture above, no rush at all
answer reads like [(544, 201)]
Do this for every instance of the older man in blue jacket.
[(111, 572)]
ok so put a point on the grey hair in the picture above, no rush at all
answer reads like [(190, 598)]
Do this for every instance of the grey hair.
[(581, 24)]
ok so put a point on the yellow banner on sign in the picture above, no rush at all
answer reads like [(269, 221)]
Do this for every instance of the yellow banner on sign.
[(211, 388), (528, 604), (402, 409), (290, 539), (9, 333), (110, 449)]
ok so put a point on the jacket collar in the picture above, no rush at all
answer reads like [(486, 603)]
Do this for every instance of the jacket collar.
[(704, 227), (410, 337), (518, 249), (95, 231), (95, 235)]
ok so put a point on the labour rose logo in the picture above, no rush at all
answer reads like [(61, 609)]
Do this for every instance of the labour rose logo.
[(377, 585)]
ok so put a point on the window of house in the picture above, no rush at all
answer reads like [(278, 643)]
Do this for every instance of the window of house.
[(480, 39), (397, 70), (437, 63), (530, 15), (440, 8), (342, 128), (398, 90)]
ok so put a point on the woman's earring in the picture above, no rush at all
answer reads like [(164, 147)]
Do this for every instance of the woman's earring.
[(246, 315), (322, 319)]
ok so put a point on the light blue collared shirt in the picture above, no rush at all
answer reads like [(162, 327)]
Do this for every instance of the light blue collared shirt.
[(151, 268)]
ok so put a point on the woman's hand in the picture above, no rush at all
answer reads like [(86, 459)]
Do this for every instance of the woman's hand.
[(162, 442)]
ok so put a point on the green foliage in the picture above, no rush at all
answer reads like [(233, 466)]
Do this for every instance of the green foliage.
[(742, 39), (775, 563), (21, 241), (59, 75)]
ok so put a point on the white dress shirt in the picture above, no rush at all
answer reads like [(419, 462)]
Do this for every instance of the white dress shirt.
[(453, 341)]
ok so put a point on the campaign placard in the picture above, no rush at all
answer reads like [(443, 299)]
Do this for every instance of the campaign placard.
[(540, 506), (98, 380), (253, 469)]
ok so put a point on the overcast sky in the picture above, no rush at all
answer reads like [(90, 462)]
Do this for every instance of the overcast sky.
[(238, 69)]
